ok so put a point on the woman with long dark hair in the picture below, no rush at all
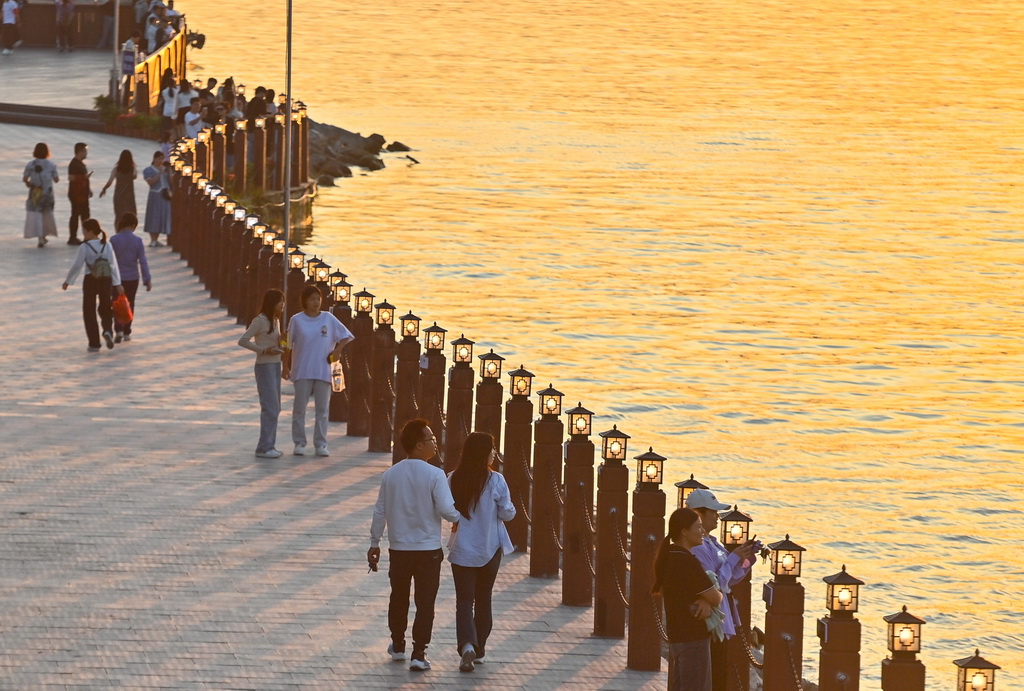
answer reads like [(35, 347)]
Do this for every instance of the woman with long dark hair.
[(482, 497), (264, 338), (123, 178), (689, 595), (97, 255)]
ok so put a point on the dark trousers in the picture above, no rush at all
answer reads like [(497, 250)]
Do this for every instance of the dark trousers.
[(64, 34), (689, 666), (79, 210), (10, 35), (425, 569), (94, 289), (719, 672), (130, 289), (473, 587)]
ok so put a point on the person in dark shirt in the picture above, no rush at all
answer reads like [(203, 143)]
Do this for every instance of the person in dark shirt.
[(78, 191), (688, 594)]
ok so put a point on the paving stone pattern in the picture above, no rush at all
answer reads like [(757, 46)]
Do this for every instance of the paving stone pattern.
[(142, 545)]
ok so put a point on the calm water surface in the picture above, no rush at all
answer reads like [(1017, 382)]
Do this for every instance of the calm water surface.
[(780, 244)]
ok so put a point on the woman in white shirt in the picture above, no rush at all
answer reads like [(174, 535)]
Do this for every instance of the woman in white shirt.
[(96, 287), (264, 338), (482, 497)]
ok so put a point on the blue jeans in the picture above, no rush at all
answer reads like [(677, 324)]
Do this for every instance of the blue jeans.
[(268, 385), (689, 665), (473, 586)]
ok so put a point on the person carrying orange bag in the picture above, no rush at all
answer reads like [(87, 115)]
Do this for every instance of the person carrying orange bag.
[(131, 261)]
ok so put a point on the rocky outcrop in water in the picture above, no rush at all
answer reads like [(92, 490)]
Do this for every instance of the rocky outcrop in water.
[(333, 151)]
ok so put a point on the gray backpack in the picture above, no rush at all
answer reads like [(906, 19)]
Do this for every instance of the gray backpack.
[(100, 265)]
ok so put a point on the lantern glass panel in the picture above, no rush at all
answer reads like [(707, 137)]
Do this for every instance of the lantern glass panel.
[(342, 292), (268, 238), (229, 209), (385, 316), (462, 352), (521, 385), (322, 272), (279, 245), (411, 328), (364, 304), (579, 423), (843, 598), (240, 213), (240, 125), (649, 471), (261, 123), (220, 128), (435, 339), (733, 532), (905, 638), (186, 170), (786, 563)]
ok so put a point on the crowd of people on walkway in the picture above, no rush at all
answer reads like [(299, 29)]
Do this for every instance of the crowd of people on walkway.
[(155, 21), (114, 269)]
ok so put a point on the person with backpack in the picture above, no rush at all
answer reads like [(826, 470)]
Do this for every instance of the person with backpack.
[(102, 277)]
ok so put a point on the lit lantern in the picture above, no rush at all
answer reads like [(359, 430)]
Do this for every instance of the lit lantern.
[(904, 632), (279, 119), (178, 164), (220, 128), (212, 191), (296, 115), (222, 199), (613, 444), (198, 83), (975, 673), (522, 381), (203, 136), (462, 351), (650, 469), (410, 326), (364, 302), (490, 366), (323, 272), (240, 214), (335, 278), (229, 209), (735, 526), (311, 267), (201, 183), (197, 175), (843, 593), (435, 337), (240, 89), (579, 421), (268, 238), (279, 245), (550, 401), (282, 99), (260, 123), (342, 292), (685, 487), (186, 171), (259, 230), (251, 221), (241, 125), (385, 314), (786, 558)]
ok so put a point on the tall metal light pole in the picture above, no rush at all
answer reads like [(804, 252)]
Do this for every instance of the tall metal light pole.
[(115, 72), (286, 150)]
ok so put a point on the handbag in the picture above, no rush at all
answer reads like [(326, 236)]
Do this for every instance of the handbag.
[(166, 193), (122, 309)]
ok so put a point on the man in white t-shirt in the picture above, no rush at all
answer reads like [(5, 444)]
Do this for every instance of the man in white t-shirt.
[(414, 496), (314, 339), (194, 119), (10, 11)]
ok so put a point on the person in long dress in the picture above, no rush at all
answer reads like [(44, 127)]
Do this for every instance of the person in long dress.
[(122, 177), (158, 203), (39, 176), (482, 497)]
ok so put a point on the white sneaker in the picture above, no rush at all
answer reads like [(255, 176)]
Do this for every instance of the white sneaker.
[(468, 655), (273, 453), (395, 656), (300, 450), (322, 451), (419, 664), (109, 339)]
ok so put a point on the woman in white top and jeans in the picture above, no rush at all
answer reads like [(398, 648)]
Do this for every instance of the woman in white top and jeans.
[(482, 497), (264, 338)]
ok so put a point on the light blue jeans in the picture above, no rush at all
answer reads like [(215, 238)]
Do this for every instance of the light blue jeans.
[(321, 392), (268, 385)]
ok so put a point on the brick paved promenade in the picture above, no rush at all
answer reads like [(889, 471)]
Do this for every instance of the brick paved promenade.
[(141, 543)]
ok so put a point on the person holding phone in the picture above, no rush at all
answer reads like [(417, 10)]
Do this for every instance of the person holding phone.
[(264, 338), (729, 567), (689, 595)]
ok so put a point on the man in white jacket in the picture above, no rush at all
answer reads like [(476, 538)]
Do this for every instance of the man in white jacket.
[(414, 496)]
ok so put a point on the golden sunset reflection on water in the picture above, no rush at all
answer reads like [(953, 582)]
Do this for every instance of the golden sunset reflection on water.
[(780, 244)]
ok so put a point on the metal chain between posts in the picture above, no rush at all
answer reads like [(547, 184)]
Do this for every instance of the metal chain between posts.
[(792, 663), (742, 631), (554, 535), (656, 606), (590, 561), (556, 487), (620, 590), (520, 507), (622, 550), (586, 512)]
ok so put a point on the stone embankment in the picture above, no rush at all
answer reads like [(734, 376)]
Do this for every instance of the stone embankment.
[(334, 151)]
